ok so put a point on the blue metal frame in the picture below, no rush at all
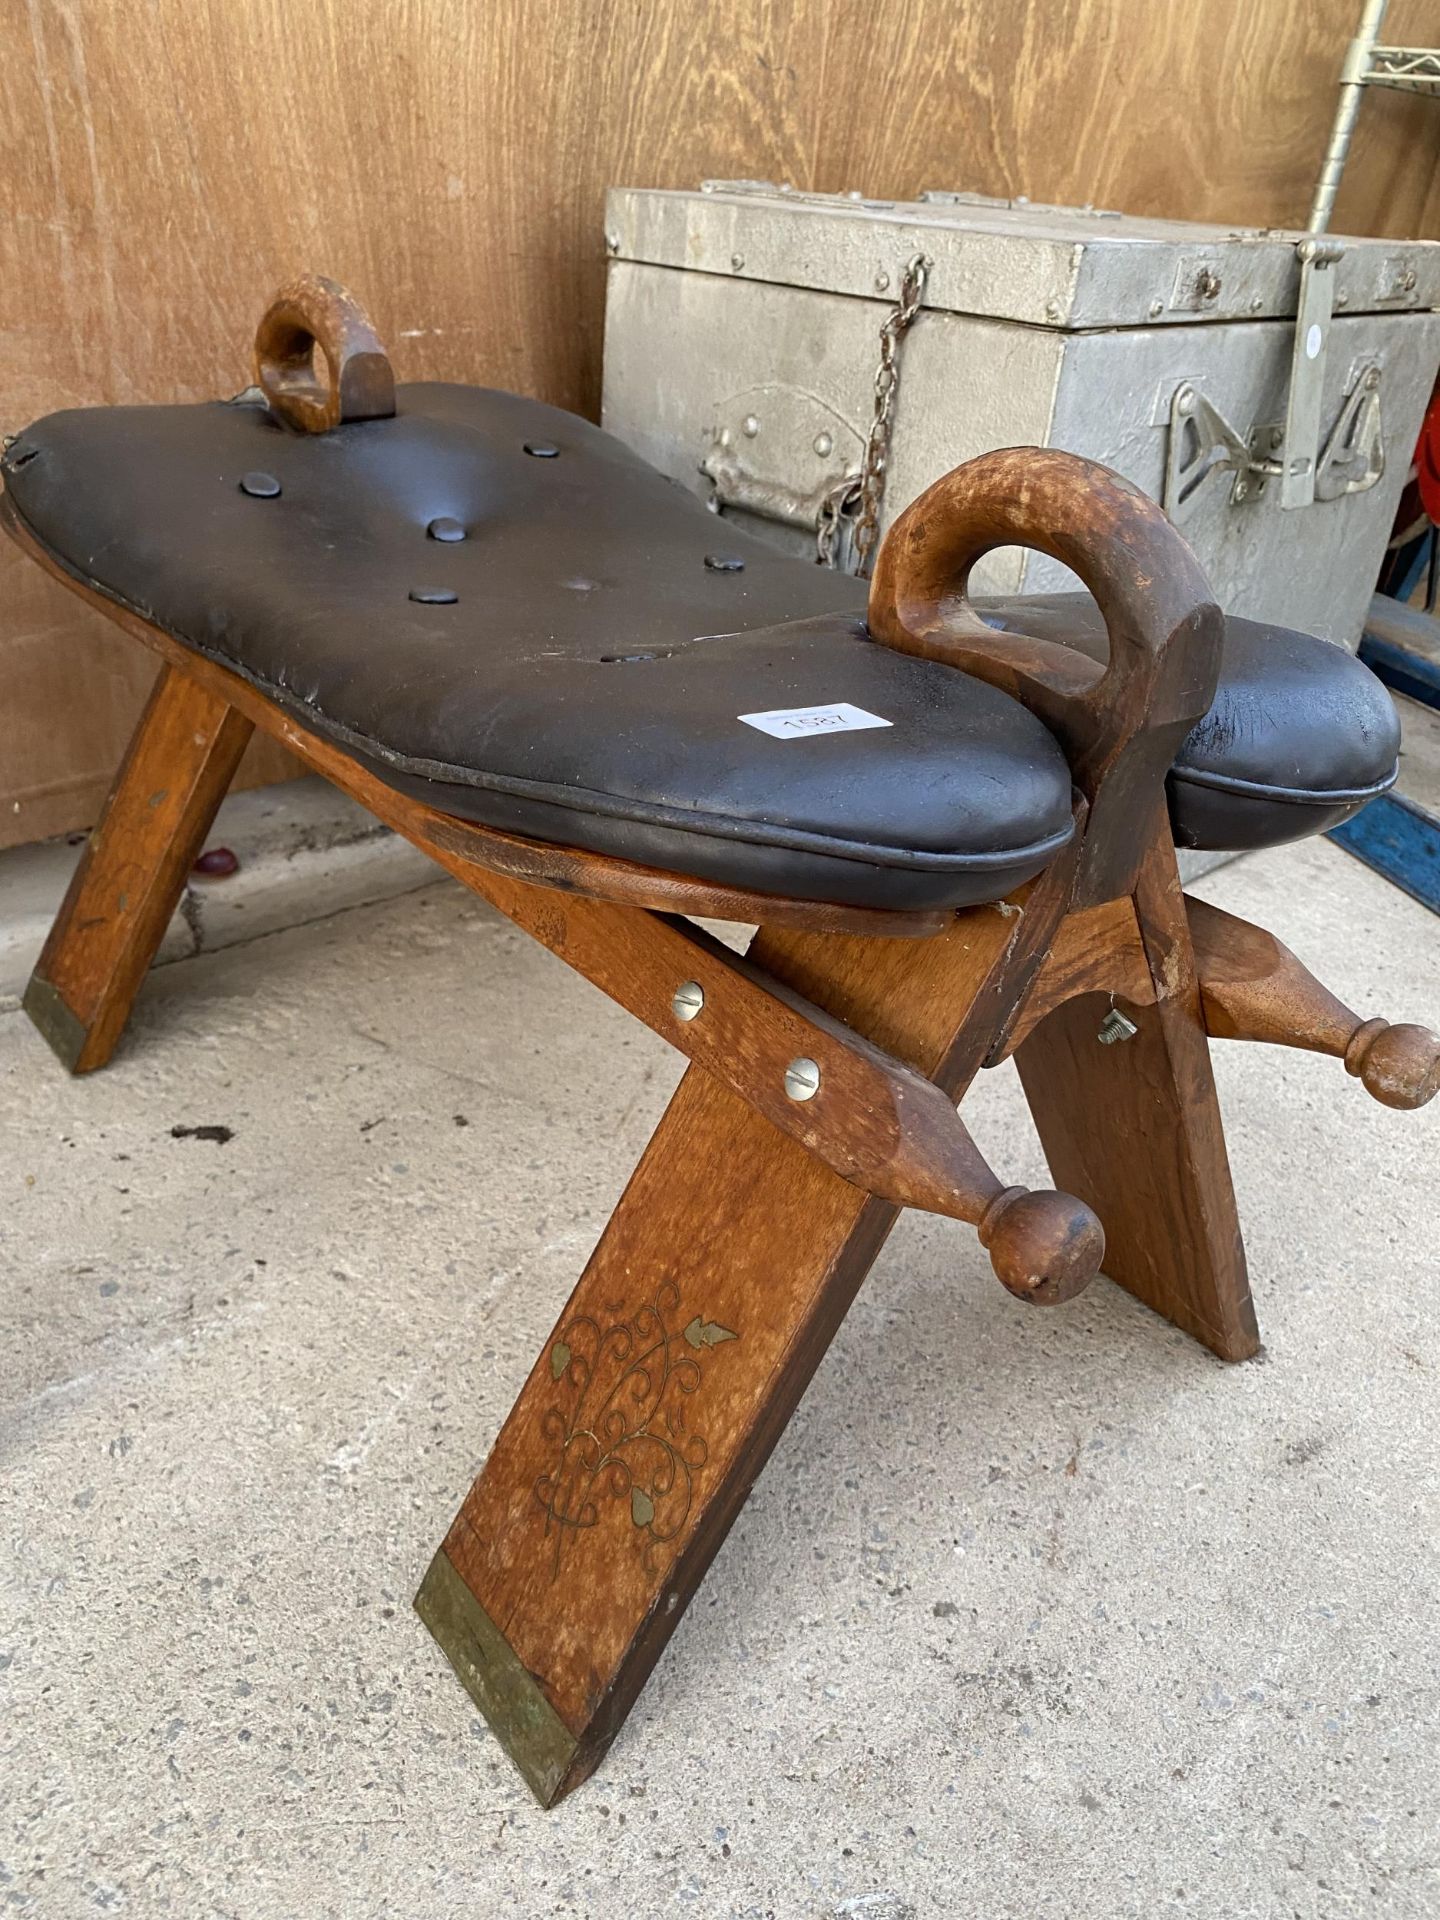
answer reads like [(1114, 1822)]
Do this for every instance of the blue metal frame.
[(1402, 670), (1400, 841)]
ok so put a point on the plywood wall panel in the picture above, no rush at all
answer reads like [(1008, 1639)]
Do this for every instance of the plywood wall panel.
[(166, 167), (1216, 112)]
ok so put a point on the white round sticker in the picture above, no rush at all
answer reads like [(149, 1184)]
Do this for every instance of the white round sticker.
[(1312, 340)]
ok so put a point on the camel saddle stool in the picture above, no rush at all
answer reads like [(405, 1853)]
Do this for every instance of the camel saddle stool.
[(953, 822)]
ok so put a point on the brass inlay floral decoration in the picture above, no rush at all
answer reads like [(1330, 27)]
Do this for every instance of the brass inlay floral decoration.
[(620, 1430)]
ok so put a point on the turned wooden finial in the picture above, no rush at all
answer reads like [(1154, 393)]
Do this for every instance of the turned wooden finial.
[(1398, 1065), (1253, 988), (1045, 1247)]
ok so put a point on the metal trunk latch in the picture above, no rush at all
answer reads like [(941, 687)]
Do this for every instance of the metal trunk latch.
[(1202, 441), (780, 453)]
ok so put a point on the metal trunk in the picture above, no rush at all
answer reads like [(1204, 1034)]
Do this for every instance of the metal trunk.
[(1268, 388)]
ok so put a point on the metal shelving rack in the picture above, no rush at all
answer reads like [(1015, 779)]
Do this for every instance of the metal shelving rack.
[(1407, 69)]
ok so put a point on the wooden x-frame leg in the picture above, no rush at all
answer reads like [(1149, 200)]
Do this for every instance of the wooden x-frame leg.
[(712, 1295), (181, 760), (1135, 1129), (726, 1268)]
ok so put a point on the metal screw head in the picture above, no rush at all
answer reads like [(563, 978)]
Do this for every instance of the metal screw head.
[(445, 530), (1242, 489), (751, 426), (823, 444), (542, 449), (434, 596), (724, 563), (1116, 1027), (612, 242), (882, 282), (802, 1079), (687, 1000), (1185, 400), (260, 486), (1157, 307), (737, 261)]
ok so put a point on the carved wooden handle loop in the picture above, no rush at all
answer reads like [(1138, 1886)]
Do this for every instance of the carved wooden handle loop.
[(314, 322), (1144, 578), (1120, 726)]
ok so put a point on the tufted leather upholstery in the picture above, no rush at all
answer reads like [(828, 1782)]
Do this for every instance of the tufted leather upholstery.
[(575, 664)]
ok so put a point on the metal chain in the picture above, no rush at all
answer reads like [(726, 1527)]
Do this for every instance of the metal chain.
[(868, 493), (836, 507)]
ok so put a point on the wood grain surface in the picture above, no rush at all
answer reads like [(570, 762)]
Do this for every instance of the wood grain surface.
[(130, 877), (1135, 1130), (168, 166), (736, 1235)]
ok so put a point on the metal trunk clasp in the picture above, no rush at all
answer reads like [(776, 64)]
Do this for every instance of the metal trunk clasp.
[(1202, 441), (781, 453)]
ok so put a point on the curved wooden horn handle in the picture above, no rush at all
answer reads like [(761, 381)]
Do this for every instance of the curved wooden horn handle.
[(313, 321), (1121, 727)]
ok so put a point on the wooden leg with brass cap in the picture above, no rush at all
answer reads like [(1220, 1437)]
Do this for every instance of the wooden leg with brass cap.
[(709, 1301), (180, 762)]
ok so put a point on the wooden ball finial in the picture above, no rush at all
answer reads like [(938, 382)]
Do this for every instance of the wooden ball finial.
[(1399, 1066), (1044, 1247)]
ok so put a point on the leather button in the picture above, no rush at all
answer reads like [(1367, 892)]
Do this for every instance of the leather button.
[(434, 596), (445, 529), (260, 486)]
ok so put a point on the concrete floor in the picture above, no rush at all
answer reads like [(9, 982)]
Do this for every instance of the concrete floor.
[(1031, 1614)]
